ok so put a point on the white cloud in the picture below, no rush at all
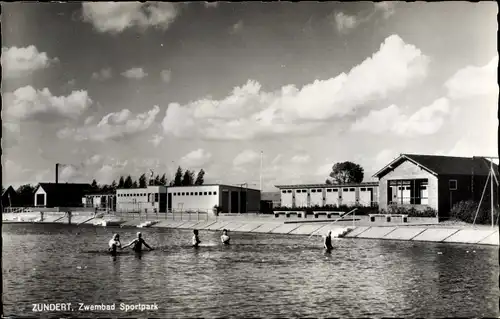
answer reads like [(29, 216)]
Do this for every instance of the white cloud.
[(246, 157), (113, 126), (248, 112), (196, 159), (94, 159), (211, 4), (426, 121), (324, 171), (383, 158), (345, 22), (300, 159), (156, 139), (18, 62), (237, 27), (111, 171), (102, 74), (387, 7), (115, 17), (72, 174), (472, 81), (135, 73), (166, 75), (27, 103)]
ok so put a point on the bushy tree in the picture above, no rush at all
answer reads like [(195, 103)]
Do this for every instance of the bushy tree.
[(346, 172), (188, 178), (121, 182), (143, 181), (163, 180), (178, 177), (128, 182), (200, 177)]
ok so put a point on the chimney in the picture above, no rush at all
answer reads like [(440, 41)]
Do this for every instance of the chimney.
[(57, 173)]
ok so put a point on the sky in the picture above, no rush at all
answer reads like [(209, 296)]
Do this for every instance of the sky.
[(111, 89)]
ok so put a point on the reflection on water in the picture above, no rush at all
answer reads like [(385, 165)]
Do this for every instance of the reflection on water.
[(257, 275)]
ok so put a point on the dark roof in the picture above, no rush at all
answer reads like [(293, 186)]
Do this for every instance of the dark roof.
[(327, 185), (444, 165), (65, 188), (8, 190)]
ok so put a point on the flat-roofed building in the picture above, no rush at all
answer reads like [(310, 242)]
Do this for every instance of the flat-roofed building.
[(143, 200)]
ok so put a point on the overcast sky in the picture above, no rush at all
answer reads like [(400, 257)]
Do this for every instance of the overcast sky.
[(121, 88)]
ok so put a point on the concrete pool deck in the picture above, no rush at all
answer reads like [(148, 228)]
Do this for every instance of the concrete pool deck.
[(361, 227)]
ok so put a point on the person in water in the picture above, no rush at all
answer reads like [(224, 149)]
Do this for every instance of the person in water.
[(114, 243), (225, 238), (196, 239), (328, 241), (137, 243)]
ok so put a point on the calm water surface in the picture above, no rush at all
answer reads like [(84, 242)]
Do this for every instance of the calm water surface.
[(259, 275)]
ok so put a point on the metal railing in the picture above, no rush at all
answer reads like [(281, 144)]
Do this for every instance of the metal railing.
[(195, 215)]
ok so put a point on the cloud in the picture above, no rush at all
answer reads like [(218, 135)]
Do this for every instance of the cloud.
[(211, 4), (102, 74), (300, 159), (387, 7), (426, 121), (28, 103), (246, 157), (112, 171), (17, 62), (94, 159), (113, 126), (249, 112), (135, 73), (115, 17), (156, 139), (166, 75), (196, 159), (237, 27), (345, 22), (72, 174), (472, 81)]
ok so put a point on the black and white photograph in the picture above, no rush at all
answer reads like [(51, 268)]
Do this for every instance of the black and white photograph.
[(276, 159)]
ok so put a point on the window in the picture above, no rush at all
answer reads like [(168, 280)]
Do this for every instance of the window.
[(200, 193), (329, 190), (345, 189), (156, 197), (209, 193), (453, 184), (313, 190), (183, 193), (191, 194), (195, 193), (215, 193), (335, 190), (319, 190), (289, 191), (363, 189), (352, 189)]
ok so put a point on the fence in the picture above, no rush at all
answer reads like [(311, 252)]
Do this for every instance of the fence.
[(175, 214)]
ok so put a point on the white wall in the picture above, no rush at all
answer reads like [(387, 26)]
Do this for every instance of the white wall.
[(41, 191), (301, 197), (348, 196), (286, 197), (316, 197), (139, 199), (195, 197), (332, 197)]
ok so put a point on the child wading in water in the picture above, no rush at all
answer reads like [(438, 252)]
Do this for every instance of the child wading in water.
[(196, 240)]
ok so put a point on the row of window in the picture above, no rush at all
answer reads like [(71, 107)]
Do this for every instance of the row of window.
[(328, 190), (135, 194), (195, 193)]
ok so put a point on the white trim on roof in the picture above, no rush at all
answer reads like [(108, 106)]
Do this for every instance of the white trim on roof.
[(402, 156)]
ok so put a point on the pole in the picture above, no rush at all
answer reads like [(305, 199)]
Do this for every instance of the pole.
[(491, 192), (260, 178)]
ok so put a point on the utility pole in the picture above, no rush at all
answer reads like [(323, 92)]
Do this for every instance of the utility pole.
[(260, 178)]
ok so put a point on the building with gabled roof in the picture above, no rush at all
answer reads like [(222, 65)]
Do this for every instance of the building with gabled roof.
[(61, 194), (434, 181)]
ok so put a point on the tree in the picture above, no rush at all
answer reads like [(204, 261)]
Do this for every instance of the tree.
[(178, 177), (26, 194), (121, 182), (94, 185), (157, 180), (113, 185), (134, 185), (346, 172), (163, 180), (329, 182), (199, 178), (188, 178), (128, 182), (142, 181)]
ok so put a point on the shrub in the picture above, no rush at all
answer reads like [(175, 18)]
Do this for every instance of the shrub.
[(466, 211), (410, 211)]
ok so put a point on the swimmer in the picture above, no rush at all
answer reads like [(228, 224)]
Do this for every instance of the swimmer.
[(114, 243), (196, 239), (328, 241), (138, 242), (225, 238)]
